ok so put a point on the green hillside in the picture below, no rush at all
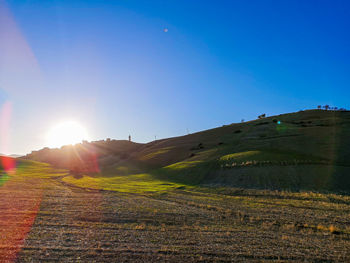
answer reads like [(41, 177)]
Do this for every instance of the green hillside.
[(307, 150)]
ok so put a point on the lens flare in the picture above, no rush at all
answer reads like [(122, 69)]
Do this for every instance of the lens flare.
[(7, 163)]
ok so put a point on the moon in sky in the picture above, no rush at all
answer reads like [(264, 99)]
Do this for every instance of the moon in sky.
[(65, 133)]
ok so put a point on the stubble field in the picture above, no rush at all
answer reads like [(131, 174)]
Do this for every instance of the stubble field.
[(47, 220)]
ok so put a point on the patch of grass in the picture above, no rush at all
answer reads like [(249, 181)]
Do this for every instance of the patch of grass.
[(183, 165), (241, 156), (138, 183), (3, 178), (186, 172), (38, 170), (156, 153)]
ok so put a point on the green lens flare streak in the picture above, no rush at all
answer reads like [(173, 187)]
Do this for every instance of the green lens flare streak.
[(3, 178)]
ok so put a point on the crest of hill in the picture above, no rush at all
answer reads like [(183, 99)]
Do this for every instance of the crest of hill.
[(84, 154), (303, 150)]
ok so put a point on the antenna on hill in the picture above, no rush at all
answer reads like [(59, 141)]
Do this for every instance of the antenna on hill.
[(129, 138), (155, 137)]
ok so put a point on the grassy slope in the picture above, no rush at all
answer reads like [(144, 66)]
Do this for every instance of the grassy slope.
[(307, 150)]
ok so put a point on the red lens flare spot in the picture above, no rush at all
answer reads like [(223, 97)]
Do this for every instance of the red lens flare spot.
[(8, 164)]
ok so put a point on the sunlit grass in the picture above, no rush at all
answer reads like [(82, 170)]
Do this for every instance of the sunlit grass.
[(240, 155), (3, 178), (183, 165), (32, 169), (38, 170), (156, 153), (138, 183)]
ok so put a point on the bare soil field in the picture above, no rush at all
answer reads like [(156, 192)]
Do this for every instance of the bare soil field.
[(70, 224)]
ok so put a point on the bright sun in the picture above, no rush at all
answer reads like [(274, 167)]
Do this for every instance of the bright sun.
[(68, 132)]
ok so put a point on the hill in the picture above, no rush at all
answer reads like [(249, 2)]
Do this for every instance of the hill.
[(307, 150)]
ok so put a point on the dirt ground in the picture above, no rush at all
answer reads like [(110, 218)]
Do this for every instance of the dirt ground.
[(44, 220)]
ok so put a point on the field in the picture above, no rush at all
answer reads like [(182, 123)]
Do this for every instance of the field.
[(46, 218)]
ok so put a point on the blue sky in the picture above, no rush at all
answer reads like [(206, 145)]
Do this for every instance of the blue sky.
[(110, 66)]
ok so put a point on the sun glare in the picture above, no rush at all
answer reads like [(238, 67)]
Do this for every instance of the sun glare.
[(69, 132)]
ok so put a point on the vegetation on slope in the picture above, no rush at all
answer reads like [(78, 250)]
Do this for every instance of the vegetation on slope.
[(304, 150)]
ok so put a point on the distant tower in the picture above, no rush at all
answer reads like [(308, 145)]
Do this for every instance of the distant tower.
[(129, 138)]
